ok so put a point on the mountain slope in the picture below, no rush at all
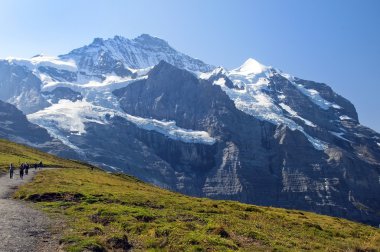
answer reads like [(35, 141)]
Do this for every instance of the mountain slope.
[(255, 161), (14, 126), (108, 211), (15, 153), (253, 134)]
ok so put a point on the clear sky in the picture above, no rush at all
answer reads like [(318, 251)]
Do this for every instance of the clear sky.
[(332, 41)]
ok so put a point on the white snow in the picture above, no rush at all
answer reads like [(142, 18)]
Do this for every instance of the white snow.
[(137, 54), (345, 117), (71, 117), (294, 114), (250, 67), (47, 61), (281, 97), (378, 144), (340, 135), (312, 94), (252, 78), (208, 75)]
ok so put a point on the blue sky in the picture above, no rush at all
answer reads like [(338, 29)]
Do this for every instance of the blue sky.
[(330, 41)]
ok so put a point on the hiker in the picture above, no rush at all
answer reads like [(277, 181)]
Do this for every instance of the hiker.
[(26, 169), (41, 165), (22, 171), (35, 166), (11, 170)]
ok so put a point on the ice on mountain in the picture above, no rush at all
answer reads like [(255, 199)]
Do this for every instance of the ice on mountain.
[(281, 97), (250, 67), (140, 53), (339, 135), (252, 99), (345, 117), (295, 115), (71, 117), (46, 61), (313, 94), (317, 144)]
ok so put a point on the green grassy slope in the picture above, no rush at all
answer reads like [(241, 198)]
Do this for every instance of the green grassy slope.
[(17, 154), (114, 212)]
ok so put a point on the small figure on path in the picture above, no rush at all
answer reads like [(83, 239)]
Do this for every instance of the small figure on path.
[(22, 171), (35, 166), (41, 165), (26, 169), (11, 170)]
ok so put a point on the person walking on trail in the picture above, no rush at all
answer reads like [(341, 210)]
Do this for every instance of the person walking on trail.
[(26, 169), (11, 171), (41, 165), (22, 171), (35, 166)]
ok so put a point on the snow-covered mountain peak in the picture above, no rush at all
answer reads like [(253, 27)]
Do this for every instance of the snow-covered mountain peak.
[(250, 66), (103, 55)]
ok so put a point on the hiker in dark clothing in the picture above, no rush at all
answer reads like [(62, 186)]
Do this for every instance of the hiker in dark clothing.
[(41, 165), (22, 171), (35, 166), (11, 170), (26, 169)]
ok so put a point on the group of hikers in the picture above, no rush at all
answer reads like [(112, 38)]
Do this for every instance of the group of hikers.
[(24, 169)]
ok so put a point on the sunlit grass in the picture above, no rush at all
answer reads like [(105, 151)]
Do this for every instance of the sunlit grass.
[(109, 212), (110, 207)]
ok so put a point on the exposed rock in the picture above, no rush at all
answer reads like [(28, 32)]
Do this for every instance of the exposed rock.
[(20, 88), (62, 93)]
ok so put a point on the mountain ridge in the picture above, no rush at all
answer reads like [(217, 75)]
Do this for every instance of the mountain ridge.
[(253, 133)]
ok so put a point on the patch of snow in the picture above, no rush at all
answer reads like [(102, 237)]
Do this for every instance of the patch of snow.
[(281, 97), (378, 144), (339, 135), (220, 82), (312, 94), (142, 71), (208, 75), (294, 114), (344, 117), (318, 144), (336, 106)]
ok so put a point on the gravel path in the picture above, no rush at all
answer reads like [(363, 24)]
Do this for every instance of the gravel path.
[(23, 228)]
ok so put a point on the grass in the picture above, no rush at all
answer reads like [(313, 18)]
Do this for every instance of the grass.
[(17, 154), (117, 212)]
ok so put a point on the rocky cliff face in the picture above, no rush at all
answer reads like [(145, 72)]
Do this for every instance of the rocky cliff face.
[(258, 162), (20, 87), (253, 134)]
